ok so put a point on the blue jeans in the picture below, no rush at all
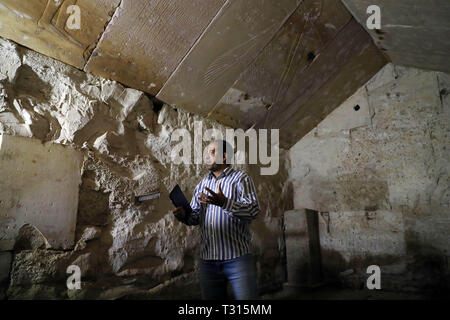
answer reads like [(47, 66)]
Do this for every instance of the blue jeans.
[(240, 272)]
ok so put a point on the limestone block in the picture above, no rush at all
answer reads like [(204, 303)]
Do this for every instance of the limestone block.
[(146, 40), (441, 138), (379, 168), (353, 113), (413, 33), (303, 36), (95, 15), (349, 61), (398, 111), (385, 196), (238, 109), (39, 186), (317, 170), (41, 25), (354, 238), (409, 112), (230, 43), (387, 74), (302, 247), (296, 245)]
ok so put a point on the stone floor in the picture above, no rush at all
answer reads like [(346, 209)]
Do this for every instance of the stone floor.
[(334, 293)]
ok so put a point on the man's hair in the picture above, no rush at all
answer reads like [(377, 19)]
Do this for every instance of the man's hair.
[(225, 147)]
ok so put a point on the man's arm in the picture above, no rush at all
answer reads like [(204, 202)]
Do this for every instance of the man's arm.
[(246, 206)]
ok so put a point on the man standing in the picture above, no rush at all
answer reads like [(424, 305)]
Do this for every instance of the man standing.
[(224, 216)]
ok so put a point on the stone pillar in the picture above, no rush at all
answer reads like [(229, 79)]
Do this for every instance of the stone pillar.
[(304, 265)]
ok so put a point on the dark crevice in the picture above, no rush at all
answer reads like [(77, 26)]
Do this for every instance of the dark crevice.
[(157, 104), (311, 56)]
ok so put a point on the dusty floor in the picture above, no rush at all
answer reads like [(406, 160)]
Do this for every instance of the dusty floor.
[(334, 293)]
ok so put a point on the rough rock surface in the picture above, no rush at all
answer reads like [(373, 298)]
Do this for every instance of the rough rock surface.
[(120, 246), (382, 185), (29, 237)]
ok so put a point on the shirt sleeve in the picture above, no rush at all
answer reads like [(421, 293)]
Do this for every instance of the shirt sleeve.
[(246, 205), (194, 218)]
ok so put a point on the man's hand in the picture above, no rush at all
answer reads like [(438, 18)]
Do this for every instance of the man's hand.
[(179, 213), (217, 199)]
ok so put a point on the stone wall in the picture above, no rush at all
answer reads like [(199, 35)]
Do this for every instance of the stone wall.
[(124, 249), (39, 190), (377, 170)]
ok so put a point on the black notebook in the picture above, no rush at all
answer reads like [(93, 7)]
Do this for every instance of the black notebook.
[(179, 200)]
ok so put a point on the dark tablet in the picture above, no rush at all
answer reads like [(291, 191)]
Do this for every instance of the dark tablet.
[(179, 200)]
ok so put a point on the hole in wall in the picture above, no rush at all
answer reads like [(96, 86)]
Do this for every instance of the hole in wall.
[(311, 55), (157, 104), (357, 107)]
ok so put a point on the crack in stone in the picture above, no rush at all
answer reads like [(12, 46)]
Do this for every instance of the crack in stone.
[(441, 92), (89, 52)]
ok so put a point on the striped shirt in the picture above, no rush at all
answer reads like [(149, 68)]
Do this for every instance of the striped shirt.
[(225, 232)]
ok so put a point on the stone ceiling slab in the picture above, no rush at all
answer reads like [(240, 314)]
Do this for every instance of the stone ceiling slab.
[(347, 63), (350, 42), (146, 40), (413, 32), (237, 109), (228, 46), (361, 67), (313, 25), (41, 26)]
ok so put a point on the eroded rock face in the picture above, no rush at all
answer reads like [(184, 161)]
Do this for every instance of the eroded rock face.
[(120, 246), (30, 237)]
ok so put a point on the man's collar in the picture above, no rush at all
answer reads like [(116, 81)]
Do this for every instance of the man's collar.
[(224, 173)]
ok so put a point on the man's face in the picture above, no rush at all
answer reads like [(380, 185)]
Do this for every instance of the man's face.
[(210, 157)]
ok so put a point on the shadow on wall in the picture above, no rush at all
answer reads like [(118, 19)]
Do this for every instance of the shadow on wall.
[(427, 267), (422, 273)]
